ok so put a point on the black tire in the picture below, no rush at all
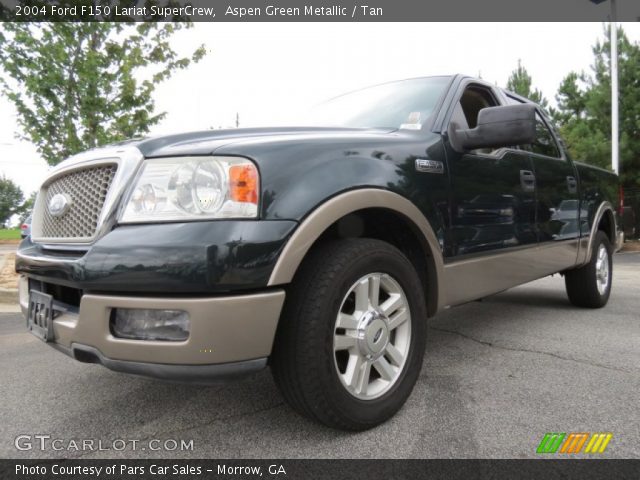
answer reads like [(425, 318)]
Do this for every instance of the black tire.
[(303, 362), (582, 283)]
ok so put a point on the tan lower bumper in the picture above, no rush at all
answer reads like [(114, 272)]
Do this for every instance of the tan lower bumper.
[(223, 329)]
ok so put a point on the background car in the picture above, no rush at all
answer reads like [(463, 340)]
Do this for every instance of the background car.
[(629, 222), (25, 227)]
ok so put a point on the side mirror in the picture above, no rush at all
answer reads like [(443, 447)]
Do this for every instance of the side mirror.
[(497, 127)]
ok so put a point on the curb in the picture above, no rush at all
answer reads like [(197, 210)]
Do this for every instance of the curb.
[(9, 295), (9, 308)]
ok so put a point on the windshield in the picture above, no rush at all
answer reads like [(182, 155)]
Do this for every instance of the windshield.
[(404, 104)]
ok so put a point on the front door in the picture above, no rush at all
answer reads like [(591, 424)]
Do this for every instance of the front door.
[(492, 191)]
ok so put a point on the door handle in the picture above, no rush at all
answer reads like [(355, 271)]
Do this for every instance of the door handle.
[(572, 184), (527, 180)]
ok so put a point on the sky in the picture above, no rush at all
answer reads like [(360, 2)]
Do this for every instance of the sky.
[(266, 72)]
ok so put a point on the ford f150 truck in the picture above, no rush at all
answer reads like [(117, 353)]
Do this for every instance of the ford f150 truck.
[(319, 250)]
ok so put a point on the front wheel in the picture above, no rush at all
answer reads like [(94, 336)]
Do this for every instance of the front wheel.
[(590, 286), (350, 343)]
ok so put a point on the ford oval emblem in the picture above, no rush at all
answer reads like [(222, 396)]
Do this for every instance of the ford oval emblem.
[(59, 204)]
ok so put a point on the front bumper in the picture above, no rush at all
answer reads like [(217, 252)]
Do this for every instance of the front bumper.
[(229, 335), (192, 258)]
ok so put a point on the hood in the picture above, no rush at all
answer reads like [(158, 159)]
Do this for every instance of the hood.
[(207, 142)]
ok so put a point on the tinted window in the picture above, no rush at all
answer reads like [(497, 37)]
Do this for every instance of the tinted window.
[(545, 144), (465, 113), (474, 99)]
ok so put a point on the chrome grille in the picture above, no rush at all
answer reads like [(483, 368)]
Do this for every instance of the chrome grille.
[(87, 189)]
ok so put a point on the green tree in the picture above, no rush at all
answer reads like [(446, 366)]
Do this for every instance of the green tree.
[(11, 198), (27, 207), (76, 86), (520, 82), (584, 109)]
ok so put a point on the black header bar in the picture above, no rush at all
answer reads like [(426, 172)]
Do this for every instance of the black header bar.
[(363, 469), (319, 10)]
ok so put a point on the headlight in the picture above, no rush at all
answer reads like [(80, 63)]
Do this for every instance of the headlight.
[(192, 188)]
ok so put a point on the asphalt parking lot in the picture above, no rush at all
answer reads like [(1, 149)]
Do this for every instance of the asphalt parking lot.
[(497, 376)]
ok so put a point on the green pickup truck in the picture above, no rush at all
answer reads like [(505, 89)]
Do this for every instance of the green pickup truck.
[(319, 250)]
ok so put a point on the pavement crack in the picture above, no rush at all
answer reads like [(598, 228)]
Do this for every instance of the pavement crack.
[(156, 435), (216, 419), (527, 350)]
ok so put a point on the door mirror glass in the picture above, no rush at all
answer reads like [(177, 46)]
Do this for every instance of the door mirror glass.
[(496, 127)]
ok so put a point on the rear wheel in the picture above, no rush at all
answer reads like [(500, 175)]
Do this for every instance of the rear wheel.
[(350, 344), (590, 286)]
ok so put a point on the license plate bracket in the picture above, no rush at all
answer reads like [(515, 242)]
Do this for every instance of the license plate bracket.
[(40, 316)]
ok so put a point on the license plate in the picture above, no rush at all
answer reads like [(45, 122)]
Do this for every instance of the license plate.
[(40, 317)]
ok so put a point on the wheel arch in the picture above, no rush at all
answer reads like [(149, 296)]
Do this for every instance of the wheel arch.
[(607, 224), (328, 216), (603, 220)]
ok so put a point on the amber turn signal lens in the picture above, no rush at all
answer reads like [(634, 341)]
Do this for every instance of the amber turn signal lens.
[(243, 183)]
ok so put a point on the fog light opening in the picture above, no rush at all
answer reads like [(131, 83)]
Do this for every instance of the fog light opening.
[(150, 324)]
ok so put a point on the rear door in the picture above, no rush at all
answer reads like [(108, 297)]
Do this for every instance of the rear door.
[(557, 202)]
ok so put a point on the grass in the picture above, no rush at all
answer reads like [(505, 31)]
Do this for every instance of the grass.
[(9, 234)]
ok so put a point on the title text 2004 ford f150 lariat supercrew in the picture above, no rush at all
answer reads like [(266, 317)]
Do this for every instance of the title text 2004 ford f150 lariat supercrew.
[(319, 250)]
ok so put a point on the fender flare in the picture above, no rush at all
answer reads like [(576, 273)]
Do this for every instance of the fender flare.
[(604, 209), (327, 213)]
